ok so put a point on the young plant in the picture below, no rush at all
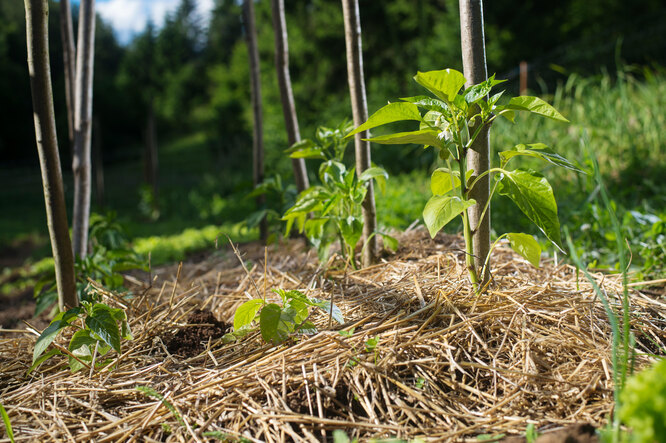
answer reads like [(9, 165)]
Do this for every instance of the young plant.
[(335, 205), (8, 424), (279, 198), (450, 123), (110, 256), (276, 322), (96, 334)]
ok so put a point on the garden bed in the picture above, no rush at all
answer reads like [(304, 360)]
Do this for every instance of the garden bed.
[(446, 364)]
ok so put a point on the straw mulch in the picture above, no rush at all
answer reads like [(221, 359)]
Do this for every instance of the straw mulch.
[(448, 365)]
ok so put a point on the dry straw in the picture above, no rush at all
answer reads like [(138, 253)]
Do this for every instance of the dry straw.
[(448, 365)]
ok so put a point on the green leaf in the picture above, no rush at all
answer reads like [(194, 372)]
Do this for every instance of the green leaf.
[(393, 112), (8, 424), (60, 321), (441, 180), (325, 305), (247, 312), (539, 150), (351, 229), (526, 246), (429, 103), (81, 345), (420, 137), (275, 324), (477, 92), (299, 145), (42, 359), (314, 153), (373, 172), (444, 84), (440, 210), (536, 106), (532, 193), (101, 322), (390, 243), (125, 331)]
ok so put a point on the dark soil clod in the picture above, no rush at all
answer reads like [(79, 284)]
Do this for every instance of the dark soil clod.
[(190, 340)]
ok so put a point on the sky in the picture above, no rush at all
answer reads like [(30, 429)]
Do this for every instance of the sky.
[(129, 17)]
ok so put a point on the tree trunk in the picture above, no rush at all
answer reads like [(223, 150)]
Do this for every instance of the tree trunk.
[(478, 157), (98, 163), (83, 126), (360, 112), (69, 62), (255, 91), (286, 94), (151, 159), (36, 16)]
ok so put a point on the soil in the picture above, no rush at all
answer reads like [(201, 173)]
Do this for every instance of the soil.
[(191, 339), (578, 433)]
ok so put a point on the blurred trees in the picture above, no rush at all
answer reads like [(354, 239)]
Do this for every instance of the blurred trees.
[(198, 75)]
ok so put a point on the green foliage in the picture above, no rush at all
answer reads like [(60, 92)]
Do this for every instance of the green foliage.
[(451, 123), (8, 424), (277, 323), (278, 199), (110, 256), (335, 204), (644, 404), (622, 350), (531, 433), (97, 333)]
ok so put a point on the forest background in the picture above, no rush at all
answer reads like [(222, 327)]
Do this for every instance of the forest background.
[(599, 62)]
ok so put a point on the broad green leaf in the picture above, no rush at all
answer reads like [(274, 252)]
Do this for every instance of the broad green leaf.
[(481, 90), (246, 312), (373, 172), (299, 145), (351, 229), (526, 246), (101, 322), (60, 321), (508, 114), (445, 84), (296, 309), (539, 150), (536, 106), (81, 345), (325, 306), (8, 424), (314, 228), (440, 210), (275, 324), (332, 172), (420, 137), (390, 243), (441, 183), (125, 331), (532, 193), (429, 103), (307, 328), (393, 112), (42, 359), (314, 153)]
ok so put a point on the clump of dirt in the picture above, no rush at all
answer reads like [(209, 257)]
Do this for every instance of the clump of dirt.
[(191, 339), (579, 433)]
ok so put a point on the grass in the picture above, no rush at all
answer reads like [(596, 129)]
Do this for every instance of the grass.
[(620, 116)]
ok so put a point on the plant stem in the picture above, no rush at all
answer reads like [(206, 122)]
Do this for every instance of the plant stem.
[(467, 231)]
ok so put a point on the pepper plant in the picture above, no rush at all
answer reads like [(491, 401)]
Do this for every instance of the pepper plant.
[(332, 210), (450, 122), (276, 322)]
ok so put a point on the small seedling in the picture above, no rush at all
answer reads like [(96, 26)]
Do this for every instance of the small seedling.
[(335, 205), (452, 121), (531, 433), (97, 335), (110, 256), (277, 323)]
